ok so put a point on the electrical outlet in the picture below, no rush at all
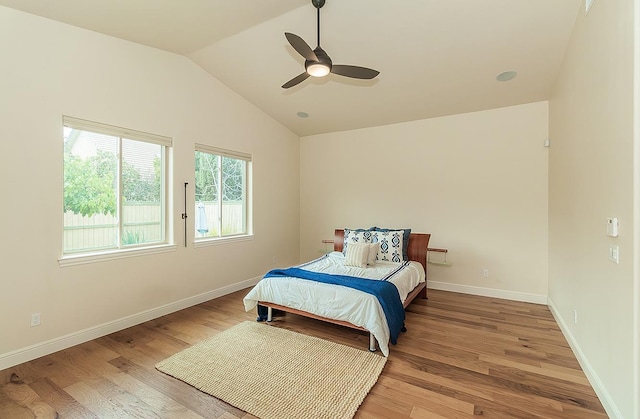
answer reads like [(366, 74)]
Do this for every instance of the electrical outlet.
[(575, 316), (485, 273), (274, 259), (35, 319)]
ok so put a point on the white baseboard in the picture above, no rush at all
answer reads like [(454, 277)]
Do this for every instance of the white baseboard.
[(601, 391), (8, 360), (488, 292)]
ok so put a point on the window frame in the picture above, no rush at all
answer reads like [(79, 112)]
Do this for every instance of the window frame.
[(120, 251), (247, 206)]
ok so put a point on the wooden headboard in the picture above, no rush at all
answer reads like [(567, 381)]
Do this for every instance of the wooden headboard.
[(417, 250)]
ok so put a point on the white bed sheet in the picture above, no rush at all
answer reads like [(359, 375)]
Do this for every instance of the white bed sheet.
[(337, 302)]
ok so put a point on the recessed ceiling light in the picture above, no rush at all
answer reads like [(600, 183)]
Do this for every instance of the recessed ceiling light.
[(303, 114), (506, 76)]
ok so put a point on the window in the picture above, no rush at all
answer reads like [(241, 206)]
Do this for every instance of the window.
[(221, 206), (114, 187)]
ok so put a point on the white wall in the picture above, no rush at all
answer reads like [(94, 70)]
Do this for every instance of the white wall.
[(51, 69), (591, 178), (477, 182)]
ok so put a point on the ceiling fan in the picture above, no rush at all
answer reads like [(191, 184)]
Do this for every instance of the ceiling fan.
[(317, 62)]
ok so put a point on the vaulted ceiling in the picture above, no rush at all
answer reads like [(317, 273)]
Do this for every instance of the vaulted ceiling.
[(435, 57)]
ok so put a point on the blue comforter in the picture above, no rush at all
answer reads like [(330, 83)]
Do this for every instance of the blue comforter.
[(386, 293)]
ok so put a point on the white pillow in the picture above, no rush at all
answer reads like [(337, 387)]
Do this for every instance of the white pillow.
[(373, 253), (357, 255)]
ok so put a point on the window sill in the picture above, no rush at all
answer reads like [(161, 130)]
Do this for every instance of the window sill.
[(221, 240), (71, 260)]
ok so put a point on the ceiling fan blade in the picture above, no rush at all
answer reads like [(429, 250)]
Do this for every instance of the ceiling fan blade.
[(300, 46), (354, 72), (296, 80)]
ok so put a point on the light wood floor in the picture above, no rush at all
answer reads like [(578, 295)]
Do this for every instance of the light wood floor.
[(461, 356)]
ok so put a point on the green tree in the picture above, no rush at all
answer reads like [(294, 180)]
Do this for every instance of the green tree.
[(137, 188), (208, 182), (89, 184), (232, 179), (206, 175)]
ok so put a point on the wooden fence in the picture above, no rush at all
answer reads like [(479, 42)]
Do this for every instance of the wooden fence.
[(142, 223)]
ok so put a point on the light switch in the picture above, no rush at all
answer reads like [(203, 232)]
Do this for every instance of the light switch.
[(614, 254)]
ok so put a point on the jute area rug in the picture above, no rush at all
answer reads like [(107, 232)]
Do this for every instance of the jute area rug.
[(276, 373)]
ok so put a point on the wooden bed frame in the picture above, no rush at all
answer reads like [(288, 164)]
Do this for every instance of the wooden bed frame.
[(417, 251)]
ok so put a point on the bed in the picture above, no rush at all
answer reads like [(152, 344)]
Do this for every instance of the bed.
[(343, 306)]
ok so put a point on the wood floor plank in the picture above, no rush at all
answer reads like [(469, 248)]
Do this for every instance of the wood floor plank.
[(165, 406), (101, 406), (65, 405), (561, 374), (420, 413), (188, 396), (428, 400), (385, 407), (397, 367), (18, 393), (462, 356)]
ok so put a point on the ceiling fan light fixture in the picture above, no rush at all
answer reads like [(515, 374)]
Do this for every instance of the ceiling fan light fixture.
[(318, 69)]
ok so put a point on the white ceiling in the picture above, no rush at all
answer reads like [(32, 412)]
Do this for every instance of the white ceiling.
[(435, 57)]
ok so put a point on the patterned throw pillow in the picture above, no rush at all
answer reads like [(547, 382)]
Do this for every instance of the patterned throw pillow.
[(391, 242), (355, 236), (405, 239)]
